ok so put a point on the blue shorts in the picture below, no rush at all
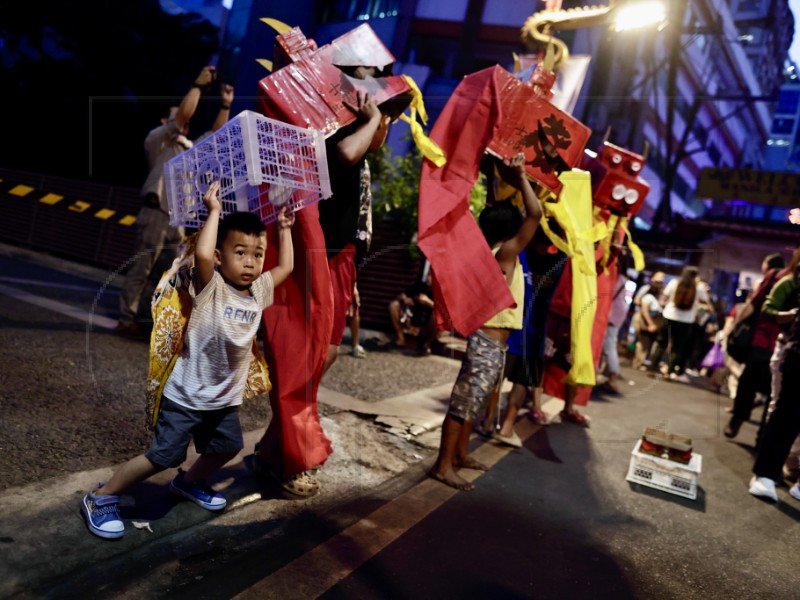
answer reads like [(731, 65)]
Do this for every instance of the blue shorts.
[(214, 432)]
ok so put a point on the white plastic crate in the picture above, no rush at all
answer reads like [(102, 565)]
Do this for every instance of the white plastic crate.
[(663, 474), (261, 164)]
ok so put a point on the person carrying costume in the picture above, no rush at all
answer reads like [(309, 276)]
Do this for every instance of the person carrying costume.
[(507, 234), (330, 227), (543, 264), (205, 388)]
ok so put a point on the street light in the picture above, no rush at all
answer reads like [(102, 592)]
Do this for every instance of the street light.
[(624, 15), (638, 15)]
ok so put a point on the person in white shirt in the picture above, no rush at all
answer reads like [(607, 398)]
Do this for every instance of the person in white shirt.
[(683, 297), (648, 320), (202, 395)]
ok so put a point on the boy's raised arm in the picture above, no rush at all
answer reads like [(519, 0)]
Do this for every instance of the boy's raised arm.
[(285, 248), (207, 240)]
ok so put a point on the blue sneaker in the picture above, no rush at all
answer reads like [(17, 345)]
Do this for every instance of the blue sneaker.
[(102, 516), (198, 492)]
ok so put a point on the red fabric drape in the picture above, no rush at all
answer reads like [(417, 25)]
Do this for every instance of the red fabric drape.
[(469, 287), (562, 299), (297, 332)]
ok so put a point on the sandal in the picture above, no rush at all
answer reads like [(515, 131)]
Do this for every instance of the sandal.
[(574, 417), (302, 484), (539, 417)]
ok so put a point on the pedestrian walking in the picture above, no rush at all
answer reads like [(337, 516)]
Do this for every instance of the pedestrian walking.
[(202, 394)]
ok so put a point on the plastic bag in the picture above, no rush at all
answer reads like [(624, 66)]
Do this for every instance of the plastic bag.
[(715, 358)]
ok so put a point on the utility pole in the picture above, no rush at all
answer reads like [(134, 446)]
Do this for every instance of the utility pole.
[(662, 219)]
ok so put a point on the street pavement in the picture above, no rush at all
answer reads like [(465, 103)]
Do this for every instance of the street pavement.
[(556, 518)]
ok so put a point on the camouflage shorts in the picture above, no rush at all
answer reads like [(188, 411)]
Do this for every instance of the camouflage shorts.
[(480, 372)]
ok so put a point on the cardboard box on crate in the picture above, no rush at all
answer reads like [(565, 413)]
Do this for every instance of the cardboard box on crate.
[(311, 89), (551, 139), (665, 462), (261, 164)]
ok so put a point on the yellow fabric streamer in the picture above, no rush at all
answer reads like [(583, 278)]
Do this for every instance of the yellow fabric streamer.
[(574, 214), (576, 198), (636, 252), (567, 212), (617, 222), (427, 146)]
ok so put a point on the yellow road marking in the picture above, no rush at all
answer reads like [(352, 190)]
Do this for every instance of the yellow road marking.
[(79, 206), (20, 190), (51, 199), (127, 220), (104, 213)]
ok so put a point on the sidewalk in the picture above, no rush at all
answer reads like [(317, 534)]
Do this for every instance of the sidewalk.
[(565, 492), (44, 537)]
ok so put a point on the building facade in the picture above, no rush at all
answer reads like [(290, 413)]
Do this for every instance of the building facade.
[(699, 93)]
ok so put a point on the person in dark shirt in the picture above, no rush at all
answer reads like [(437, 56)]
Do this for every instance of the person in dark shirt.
[(341, 214), (412, 315)]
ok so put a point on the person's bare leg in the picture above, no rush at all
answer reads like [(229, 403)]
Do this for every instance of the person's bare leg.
[(443, 470), (569, 414), (355, 330), (394, 314), (569, 397), (515, 400), (207, 464), (330, 358), (537, 398), (462, 459), (428, 335), (491, 410), (132, 472)]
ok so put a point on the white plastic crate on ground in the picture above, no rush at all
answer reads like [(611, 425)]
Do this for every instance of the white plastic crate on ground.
[(261, 164), (663, 474)]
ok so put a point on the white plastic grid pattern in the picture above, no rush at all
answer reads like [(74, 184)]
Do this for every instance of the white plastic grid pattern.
[(261, 164), (666, 475)]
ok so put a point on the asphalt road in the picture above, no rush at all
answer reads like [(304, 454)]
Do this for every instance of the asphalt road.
[(554, 519)]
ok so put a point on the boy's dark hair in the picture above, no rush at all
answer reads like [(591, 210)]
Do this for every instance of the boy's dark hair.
[(774, 261), (246, 222), (499, 222)]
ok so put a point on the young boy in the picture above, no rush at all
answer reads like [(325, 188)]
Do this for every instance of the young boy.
[(204, 390), (508, 233)]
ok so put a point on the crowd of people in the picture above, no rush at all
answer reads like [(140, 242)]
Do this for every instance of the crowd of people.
[(238, 263), (753, 355)]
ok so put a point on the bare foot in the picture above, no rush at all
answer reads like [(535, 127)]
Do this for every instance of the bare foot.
[(452, 479), (470, 463)]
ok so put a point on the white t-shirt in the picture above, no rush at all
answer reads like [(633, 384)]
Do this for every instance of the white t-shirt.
[(688, 315), (211, 372), (650, 302)]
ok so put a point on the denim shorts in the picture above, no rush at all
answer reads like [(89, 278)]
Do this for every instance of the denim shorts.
[(214, 432), (480, 373)]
